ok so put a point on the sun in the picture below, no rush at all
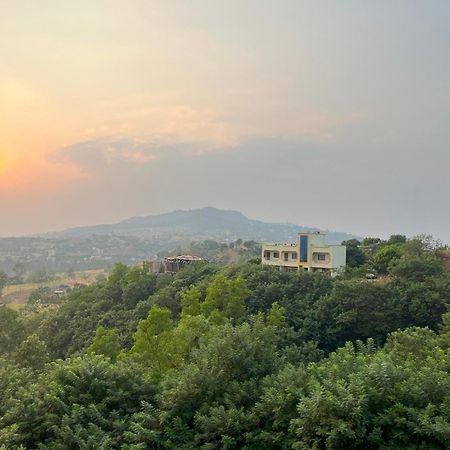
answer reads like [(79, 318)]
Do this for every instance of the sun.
[(4, 163)]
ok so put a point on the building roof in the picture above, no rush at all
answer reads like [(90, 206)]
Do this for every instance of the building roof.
[(183, 258)]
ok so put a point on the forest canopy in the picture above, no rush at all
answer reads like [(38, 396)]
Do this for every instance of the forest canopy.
[(236, 357)]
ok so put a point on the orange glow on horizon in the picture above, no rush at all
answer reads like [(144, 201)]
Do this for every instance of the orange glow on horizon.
[(33, 172), (5, 164)]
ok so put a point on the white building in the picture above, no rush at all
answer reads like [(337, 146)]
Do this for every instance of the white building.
[(310, 253)]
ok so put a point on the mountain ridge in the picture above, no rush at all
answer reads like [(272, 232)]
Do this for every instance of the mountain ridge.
[(200, 223)]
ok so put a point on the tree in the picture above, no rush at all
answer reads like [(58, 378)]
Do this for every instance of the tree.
[(138, 284), (190, 302), (276, 316), (11, 330), (397, 239), (204, 406), (41, 295), (351, 243), (152, 337), (355, 256), (160, 345), (106, 342), (257, 358), (3, 282), (385, 256), (225, 298), (32, 353), (83, 402), (114, 285), (359, 397), (19, 271), (370, 241), (417, 268), (13, 378), (429, 244), (167, 298), (185, 338), (40, 275), (357, 310)]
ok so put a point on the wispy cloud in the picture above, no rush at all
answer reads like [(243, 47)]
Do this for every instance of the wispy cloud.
[(157, 119), (94, 154)]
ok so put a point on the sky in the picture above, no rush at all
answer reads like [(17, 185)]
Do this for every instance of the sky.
[(323, 113)]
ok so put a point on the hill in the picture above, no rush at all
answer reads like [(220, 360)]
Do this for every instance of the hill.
[(197, 224), (142, 238)]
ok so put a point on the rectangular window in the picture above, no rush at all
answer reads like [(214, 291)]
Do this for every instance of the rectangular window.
[(294, 255), (285, 256), (266, 254), (321, 256), (276, 255), (303, 248)]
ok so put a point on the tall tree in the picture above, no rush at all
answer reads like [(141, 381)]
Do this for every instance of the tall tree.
[(152, 337), (355, 256), (11, 330), (106, 342), (225, 298), (32, 353)]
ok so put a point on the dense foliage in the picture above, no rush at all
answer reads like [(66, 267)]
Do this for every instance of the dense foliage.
[(233, 357)]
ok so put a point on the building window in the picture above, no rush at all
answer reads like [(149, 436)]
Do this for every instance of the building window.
[(266, 254), (321, 257), (286, 256), (276, 255), (303, 248), (294, 255)]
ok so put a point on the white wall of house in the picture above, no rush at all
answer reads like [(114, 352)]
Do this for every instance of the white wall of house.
[(287, 255), (339, 256)]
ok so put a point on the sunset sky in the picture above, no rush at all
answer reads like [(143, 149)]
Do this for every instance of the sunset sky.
[(324, 113)]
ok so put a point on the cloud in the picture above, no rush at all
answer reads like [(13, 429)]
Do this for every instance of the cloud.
[(347, 186), (96, 154), (278, 179), (162, 119), (154, 118)]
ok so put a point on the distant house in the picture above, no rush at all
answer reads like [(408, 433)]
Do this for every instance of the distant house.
[(61, 289), (173, 264), (309, 253)]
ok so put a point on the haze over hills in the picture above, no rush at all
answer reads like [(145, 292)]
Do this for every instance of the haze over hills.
[(203, 223), (140, 238)]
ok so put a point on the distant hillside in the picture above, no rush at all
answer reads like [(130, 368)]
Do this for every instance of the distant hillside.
[(141, 238), (60, 254), (204, 223)]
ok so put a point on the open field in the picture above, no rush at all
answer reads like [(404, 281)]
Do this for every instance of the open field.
[(17, 294), (16, 306)]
